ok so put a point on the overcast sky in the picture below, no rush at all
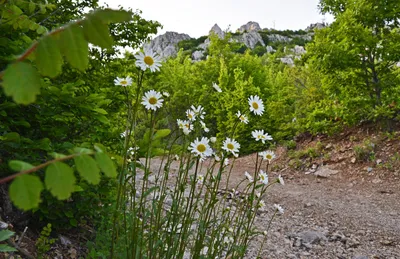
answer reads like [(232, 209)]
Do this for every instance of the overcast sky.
[(196, 17)]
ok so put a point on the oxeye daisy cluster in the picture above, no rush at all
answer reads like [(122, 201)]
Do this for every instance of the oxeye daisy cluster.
[(191, 186)]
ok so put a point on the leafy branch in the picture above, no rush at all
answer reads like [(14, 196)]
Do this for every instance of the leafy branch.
[(21, 80), (59, 177)]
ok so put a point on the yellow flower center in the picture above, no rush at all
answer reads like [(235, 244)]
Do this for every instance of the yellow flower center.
[(230, 146), (190, 115), (255, 105), (262, 177), (269, 156), (148, 60), (259, 136), (242, 118), (124, 82), (152, 100), (201, 148)]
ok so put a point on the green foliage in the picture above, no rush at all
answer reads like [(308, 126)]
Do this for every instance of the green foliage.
[(365, 151), (25, 191), (43, 243), (4, 235)]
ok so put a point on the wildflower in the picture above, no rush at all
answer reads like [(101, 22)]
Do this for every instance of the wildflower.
[(267, 155), (217, 88), (201, 148), (176, 157), (256, 105), (132, 150), (198, 111), (152, 100), (231, 145), (265, 233), (261, 204), (258, 195), (148, 60), (243, 118), (191, 115), (263, 177), (259, 135), (217, 158), (181, 123), (279, 208), (226, 161), (187, 127), (280, 180), (123, 81), (166, 94), (203, 125), (249, 177), (213, 139)]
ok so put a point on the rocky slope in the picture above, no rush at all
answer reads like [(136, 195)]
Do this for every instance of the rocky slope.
[(250, 35)]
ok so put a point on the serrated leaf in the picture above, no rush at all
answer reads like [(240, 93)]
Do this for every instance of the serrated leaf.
[(25, 191), (48, 57), (17, 165), (109, 15), (87, 168), (161, 133), (60, 180), (5, 234), (6, 248), (75, 47), (97, 32), (106, 164), (21, 81)]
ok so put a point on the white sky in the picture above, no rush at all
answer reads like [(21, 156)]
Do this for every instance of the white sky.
[(196, 17)]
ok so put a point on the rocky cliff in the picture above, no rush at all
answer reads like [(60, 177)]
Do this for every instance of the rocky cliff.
[(250, 35)]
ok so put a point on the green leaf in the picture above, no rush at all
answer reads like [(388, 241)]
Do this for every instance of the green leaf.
[(32, 7), (48, 57), (17, 165), (82, 150), (100, 110), (60, 180), (106, 164), (11, 137), (73, 222), (111, 16), (25, 191), (6, 248), (75, 47), (5, 234), (102, 119), (21, 81), (97, 32), (161, 133), (87, 168)]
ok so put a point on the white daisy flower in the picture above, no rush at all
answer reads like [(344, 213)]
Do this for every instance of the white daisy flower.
[(243, 118), (256, 105), (267, 155), (132, 150), (201, 148), (259, 135), (124, 134), (152, 100), (191, 115), (181, 123), (199, 111), (263, 177), (148, 60), (249, 177), (231, 145), (203, 125), (187, 127), (279, 208), (261, 204), (280, 180), (217, 88), (166, 94), (123, 81), (226, 162), (213, 139)]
